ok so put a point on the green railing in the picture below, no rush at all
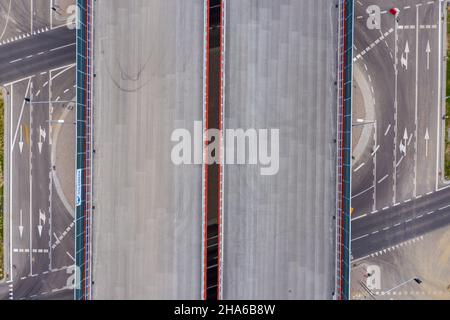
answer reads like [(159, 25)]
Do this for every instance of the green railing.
[(344, 141), (84, 151)]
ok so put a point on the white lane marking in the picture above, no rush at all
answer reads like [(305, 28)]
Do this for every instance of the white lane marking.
[(374, 155), (398, 163), (361, 193), (375, 151), (359, 238), (31, 16), (27, 250), (62, 47), (20, 116), (416, 102), (17, 60), (359, 167), (395, 164), (438, 135), (31, 178), (63, 69), (386, 250), (70, 256), (428, 26), (387, 130), (383, 36), (359, 217), (18, 80), (384, 178)]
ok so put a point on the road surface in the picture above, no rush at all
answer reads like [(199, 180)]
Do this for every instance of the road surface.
[(280, 73), (147, 236), (39, 243), (398, 70)]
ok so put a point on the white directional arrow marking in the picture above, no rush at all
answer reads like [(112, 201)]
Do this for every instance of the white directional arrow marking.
[(42, 219), (42, 134), (42, 216), (405, 55), (405, 135), (428, 51), (21, 139), (21, 225), (402, 148), (427, 139)]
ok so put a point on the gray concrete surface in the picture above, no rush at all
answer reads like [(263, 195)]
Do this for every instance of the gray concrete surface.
[(411, 259), (280, 73), (147, 229)]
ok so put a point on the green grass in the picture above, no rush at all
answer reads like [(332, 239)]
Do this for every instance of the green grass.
[(447, 105), (1, 185)]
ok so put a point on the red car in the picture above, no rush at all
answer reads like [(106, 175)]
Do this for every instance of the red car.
[(394, 11)]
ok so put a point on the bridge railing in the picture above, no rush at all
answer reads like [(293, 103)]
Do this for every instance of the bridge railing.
[(344, 147), (83, 219)]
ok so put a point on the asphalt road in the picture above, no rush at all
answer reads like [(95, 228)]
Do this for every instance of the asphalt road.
[(39, 243), (31, 55), (147, 235), (400, 64), (39, 228), (404, 104), (280, 71), (386, 228)]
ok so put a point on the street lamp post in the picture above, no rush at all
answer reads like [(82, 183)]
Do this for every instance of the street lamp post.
[(417, 280), (362, 122), (60, 121), (27, 99)]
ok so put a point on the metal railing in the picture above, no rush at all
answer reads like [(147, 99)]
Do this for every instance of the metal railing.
[(344, 147), (84, 132)]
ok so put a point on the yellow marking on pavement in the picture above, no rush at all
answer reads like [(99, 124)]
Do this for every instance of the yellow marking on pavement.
[(26, 134)]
